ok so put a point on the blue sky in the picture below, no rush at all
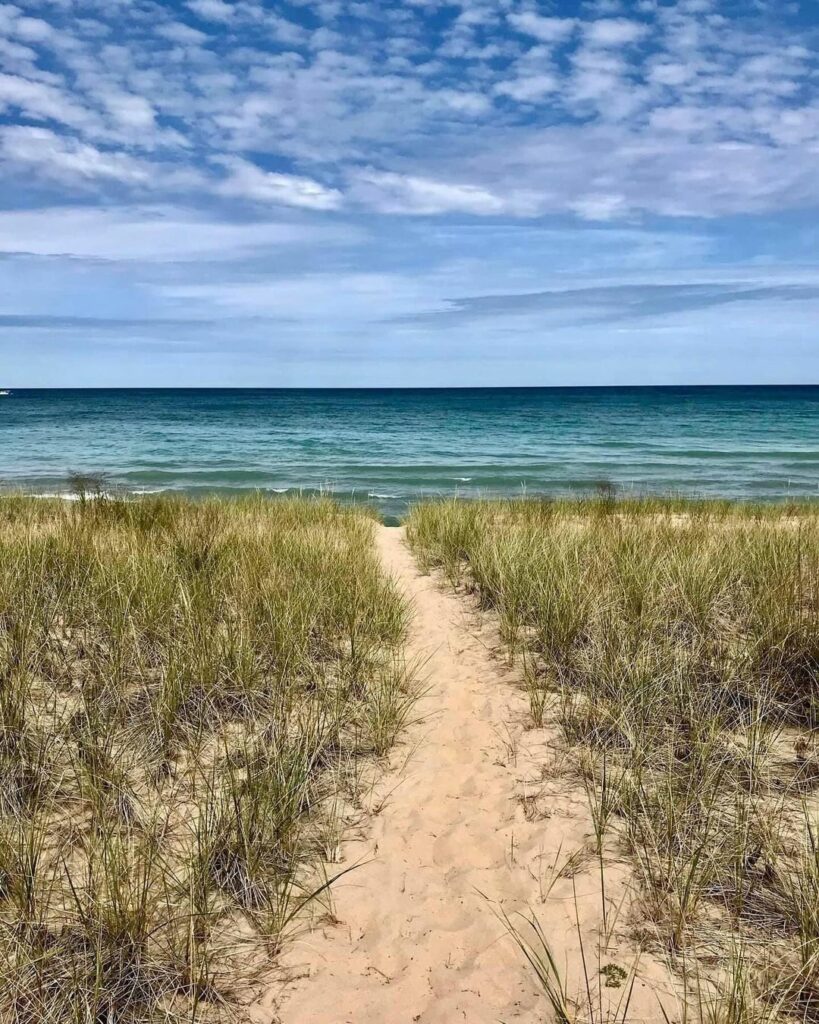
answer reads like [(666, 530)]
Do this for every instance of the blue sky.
[(343, 193)]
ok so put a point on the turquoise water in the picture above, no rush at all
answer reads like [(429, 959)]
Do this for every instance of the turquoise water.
[(394, 446)]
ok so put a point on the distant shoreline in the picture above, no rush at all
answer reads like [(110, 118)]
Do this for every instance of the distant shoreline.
[(421, 388)]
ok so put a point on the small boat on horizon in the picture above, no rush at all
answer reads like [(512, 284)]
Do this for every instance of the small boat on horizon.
[(4, 392)]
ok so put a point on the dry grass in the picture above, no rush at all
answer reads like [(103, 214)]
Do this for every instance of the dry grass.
[(187, 691), (678, 648)]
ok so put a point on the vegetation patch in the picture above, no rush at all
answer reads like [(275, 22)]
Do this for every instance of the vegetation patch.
[(188, 693), (677, 647)]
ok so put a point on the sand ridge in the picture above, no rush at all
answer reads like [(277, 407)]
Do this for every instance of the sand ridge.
[(471, 824)]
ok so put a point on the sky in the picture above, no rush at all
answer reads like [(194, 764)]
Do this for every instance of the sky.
[(420, 193)]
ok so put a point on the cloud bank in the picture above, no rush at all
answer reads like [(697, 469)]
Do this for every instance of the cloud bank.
[(358, 168)]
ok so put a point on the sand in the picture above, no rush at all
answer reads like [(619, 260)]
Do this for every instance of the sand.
[(476, 815)]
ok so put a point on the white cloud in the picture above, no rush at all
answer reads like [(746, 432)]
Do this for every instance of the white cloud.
[(309, 297), (42, 101), (150, 233), (529, 88), (671, 73), (212, 10), (62, 158), (547, 30), (130, 111), (600, 206), (247, 181), (15, 55), (33, 30), (685, 119), (402, 193), (184, 35), (656, 172), (600, 77), (614, 31), (469, 103), (8, 16)]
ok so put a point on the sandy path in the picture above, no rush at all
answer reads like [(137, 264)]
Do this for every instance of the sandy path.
[(418, 940)]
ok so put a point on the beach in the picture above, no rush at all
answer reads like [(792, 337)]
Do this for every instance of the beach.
[(269, 759)]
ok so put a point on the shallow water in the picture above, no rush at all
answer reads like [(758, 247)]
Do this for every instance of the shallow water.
[(391, 447)]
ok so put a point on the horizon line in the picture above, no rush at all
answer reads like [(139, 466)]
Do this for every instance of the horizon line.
[(398, 387)]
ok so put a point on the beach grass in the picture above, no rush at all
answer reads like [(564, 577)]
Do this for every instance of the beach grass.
[(675, 646), (188, 693)]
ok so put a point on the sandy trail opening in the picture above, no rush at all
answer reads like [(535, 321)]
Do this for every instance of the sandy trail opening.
[(472, 820)]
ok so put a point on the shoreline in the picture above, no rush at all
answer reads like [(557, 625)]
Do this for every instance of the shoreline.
[(392, 509)]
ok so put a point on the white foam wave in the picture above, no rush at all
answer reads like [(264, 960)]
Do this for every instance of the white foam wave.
[(109, 495), (54, 494)]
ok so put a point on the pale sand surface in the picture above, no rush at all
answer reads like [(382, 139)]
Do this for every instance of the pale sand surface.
[(476, 814)]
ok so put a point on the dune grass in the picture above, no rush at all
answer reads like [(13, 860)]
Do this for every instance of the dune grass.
[(188, 692), (677, 647)]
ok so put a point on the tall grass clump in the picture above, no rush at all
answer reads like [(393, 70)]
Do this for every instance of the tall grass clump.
[(678, 648), (184, 687)]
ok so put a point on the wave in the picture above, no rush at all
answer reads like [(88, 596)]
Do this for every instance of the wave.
[(62, 495), (109, 495)]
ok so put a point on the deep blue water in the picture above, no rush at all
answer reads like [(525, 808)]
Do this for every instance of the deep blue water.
[(393, 446)]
